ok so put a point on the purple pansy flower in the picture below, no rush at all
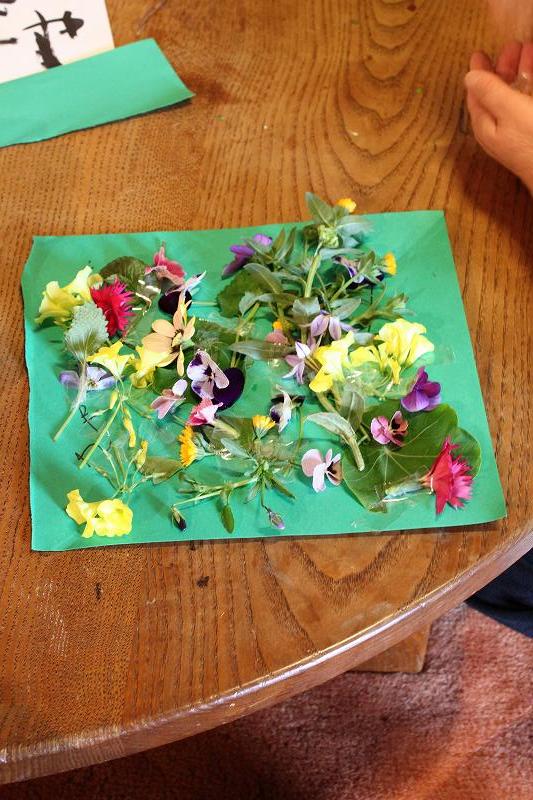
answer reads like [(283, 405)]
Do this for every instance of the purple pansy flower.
[(97, 379), (229, 395), (206, 376), (392, 432), (243, 253), (169, 398), (317, 467), (423, 395), (297, 360), (325, 321)]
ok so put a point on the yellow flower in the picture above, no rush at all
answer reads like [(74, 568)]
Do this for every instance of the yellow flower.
[(140, 455), (404, 342), (145, 366), (332, 358), (127, 423), (262, 424), (347, 203), (188, 449), (389, 264), (103, 518), (277, 325), (109, 358), (58, 302)]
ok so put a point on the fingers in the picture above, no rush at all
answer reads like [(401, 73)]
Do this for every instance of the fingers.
[(480, 60), (508, 61), (487, 90), (525, 66)]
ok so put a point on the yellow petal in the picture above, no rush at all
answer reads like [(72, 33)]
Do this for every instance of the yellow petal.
[(163, 327), (362, 355), (347, 203), (322, 382), (389, 263)]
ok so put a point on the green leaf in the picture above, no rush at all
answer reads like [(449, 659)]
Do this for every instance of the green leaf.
[(87, 331), (160, 469), (230, 297), (226, 513), (233, 447), (352, 405), (214, 338), (345, 307), (260, 350), (264, 277), (332, 422), (277, 484), (247, 301), (164, 379), (388, 465), (305, 309), (320, 211), (127, 269)]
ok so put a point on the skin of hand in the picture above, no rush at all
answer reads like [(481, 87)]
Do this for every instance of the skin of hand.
[(502, 116)]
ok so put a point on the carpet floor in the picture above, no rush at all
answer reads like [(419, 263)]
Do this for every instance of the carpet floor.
[(460, 730)]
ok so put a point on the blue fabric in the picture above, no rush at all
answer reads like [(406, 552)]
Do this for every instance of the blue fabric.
[(509, 597)]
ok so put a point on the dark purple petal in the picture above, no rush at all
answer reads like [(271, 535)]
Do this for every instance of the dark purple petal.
[(228, 396), (168, 303)]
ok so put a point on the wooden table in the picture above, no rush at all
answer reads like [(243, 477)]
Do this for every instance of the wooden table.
[(107, 652)]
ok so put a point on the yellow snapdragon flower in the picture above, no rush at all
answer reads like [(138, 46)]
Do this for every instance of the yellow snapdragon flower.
[(144, 366), (103, 518), (401, 345), (333, 359), (110, 358), (59, 301)]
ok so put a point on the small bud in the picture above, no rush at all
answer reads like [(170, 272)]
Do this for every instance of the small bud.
[(328, 236), (178, 519), (275, 519)]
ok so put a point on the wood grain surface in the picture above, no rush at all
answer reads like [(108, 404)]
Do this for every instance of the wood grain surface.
[(107, 652)]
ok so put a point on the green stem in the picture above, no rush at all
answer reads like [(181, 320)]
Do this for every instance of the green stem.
[(82, 388), (216, 491), (315, 263), (100, 436)]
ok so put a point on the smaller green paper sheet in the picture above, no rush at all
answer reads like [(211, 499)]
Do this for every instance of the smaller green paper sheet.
[(426, 273), (110, 86)]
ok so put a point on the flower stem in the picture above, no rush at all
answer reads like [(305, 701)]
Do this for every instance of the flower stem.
[(100, 436), (82, 388), (216, 490), (315, 263)]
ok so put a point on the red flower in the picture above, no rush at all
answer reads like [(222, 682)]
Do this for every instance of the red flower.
[(115, 302), (449, 478)]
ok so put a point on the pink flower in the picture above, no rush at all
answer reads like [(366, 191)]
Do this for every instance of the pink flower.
[(203, 413), (169, 398), (317, 467), (392, 432), (165, 268), (115, 301), (276, 337), (449, 478)]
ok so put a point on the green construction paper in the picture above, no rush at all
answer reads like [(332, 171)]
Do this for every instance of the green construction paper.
[(113, 85), (425, 271)]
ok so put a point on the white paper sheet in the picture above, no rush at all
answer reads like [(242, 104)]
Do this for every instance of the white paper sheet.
[(40, 34)]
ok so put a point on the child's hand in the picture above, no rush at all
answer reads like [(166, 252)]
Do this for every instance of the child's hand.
[(502, 116)]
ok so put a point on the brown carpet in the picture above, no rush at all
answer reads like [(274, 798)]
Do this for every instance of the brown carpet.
[(461, 730)]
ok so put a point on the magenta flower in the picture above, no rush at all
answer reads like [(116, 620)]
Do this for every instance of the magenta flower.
[(97, 379), (203, 413), (392, 432), (297, 360), (165, 268), (423, 395), (316, 467), (169, 399), (206, 376), (243, 253)]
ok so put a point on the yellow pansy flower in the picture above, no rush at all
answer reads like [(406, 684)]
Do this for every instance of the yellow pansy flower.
[(262, 424), (388, 263), (188, 449), (333, 358), (144, 366), (59, 301), (347, 203), (109, 357), (103, 518)]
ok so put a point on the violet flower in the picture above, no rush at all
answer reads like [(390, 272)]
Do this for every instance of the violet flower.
[(315, 466), (203, 413), (392, 432), (206, 375), (423, 395), (297, 360), (97, 379), (244, 252), (169, 398), (325, 321)]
